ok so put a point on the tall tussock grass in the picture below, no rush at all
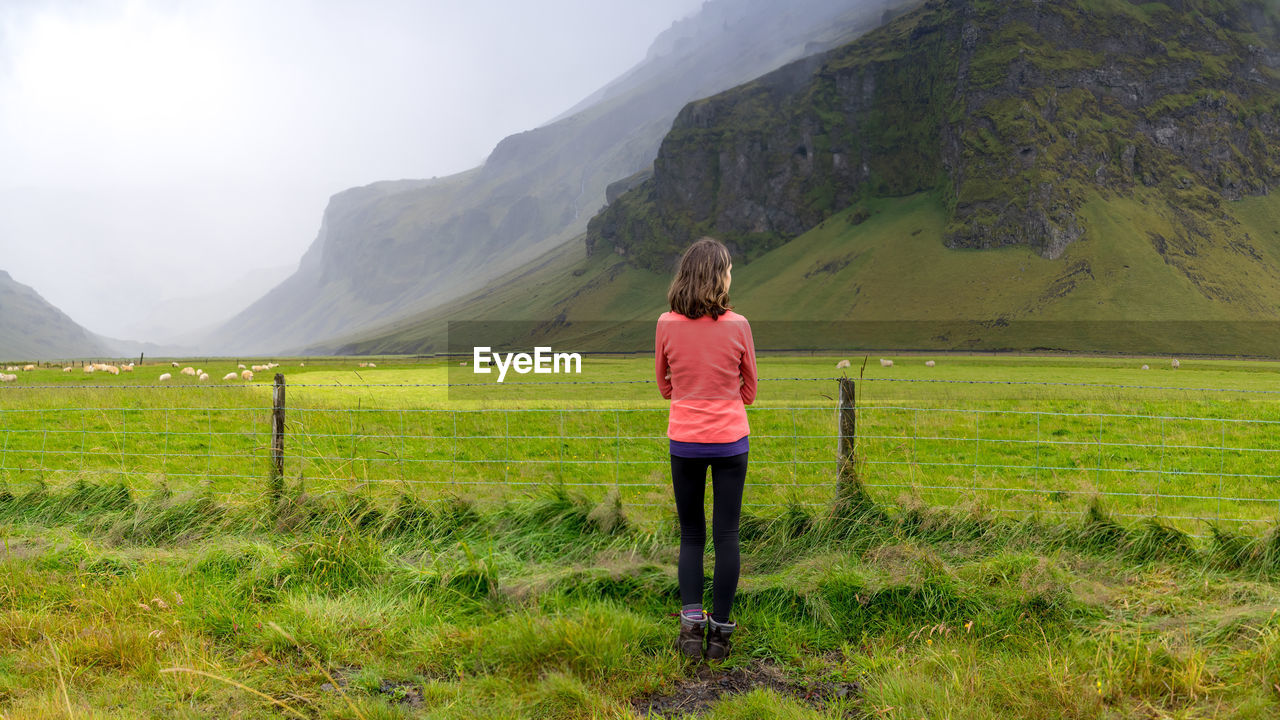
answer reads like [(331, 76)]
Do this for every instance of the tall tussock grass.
[(556, 523)]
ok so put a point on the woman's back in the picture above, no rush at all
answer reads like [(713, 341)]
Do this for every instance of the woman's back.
[(712, 375)]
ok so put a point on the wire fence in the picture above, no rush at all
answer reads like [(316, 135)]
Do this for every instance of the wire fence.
[(1177, 456)]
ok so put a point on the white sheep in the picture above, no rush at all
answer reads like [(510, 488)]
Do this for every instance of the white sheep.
[(7, 378), (240, 367), (373, 365), (364, 364), (258, 368), (188, 370), (67, 369), (247, 374), (165, 376), (126, 368), (111, 369), (1146, 367), (230, 376), (203, 376), (11, 368), (1176, 364), (28, 368), (929, 363), (839, 365), (886, 363), (302, 364), (175, 363), (89, 369)]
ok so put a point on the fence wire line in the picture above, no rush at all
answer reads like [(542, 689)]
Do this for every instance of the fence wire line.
[(795, 454), (240, 384), (233, 385)]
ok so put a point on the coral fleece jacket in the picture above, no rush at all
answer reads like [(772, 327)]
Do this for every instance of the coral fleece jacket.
[(712, 365)]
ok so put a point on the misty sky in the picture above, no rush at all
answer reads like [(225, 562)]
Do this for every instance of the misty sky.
[(159, 149)]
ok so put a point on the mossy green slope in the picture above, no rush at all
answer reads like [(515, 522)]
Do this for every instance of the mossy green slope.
[(881, 275)]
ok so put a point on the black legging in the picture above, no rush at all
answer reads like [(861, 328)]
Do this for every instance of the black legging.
[(689, 479)]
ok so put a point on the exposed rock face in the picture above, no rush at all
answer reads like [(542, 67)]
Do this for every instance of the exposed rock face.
[(1016, 111)]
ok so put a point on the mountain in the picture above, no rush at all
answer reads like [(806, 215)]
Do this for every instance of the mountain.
[(1084, 174), (32, 329), (390, 248)]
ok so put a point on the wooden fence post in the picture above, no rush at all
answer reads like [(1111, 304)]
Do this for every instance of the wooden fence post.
[(848, 421), (850, 494), (277, 441)]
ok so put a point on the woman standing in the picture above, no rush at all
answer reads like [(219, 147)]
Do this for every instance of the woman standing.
[(705, 361)]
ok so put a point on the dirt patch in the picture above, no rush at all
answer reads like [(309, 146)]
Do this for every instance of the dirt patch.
[(23, 548), (697, 694), (403, 692)]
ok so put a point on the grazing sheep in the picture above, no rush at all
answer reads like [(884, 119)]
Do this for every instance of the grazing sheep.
[(240, 367), (886, 363), (365, 364), (89, 369), (188, 370), (372, 365), (28, 368), (247, 374), (67, 369), (165, 376), (840, 365), (230, 376), (929, 363), (126, 368), (1146, 367), (111, 369), (175, 364), (1176, 364), (203, 376), (7, 378), (11, 368)]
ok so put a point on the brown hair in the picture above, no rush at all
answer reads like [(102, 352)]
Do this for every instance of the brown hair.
[(699, 287)]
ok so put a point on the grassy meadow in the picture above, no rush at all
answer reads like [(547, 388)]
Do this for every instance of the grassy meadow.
[(1014, 434), (454, 552)]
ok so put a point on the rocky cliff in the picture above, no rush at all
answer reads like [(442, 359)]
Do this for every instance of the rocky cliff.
[(1016, 111)]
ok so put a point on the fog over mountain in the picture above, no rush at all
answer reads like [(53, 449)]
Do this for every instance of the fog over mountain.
[(156, 150)]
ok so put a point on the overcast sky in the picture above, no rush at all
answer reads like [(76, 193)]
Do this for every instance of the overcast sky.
[(160, 149)]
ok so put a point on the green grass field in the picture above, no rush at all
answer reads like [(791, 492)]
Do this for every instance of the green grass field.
[(1014, 434), (527, 569)]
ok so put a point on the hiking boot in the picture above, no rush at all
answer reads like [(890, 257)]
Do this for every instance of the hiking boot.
[(692, 629), (718, 644)]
